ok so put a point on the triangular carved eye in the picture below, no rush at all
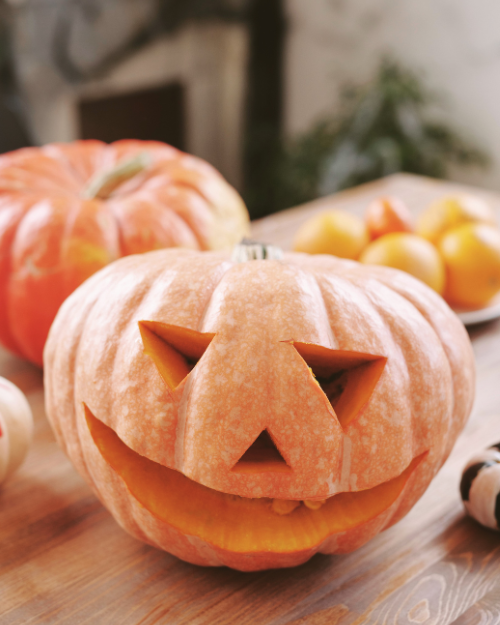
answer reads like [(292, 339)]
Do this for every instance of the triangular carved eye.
[(262, 455), (174, 350), (347, 378)]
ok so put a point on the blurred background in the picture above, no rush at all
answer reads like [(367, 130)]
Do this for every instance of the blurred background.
[(290, 100)]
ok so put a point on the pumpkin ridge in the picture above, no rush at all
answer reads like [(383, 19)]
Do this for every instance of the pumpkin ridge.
[(51, 355), (438, 340), (75, 356), (442, 339), (70, 221), (54, 152), (119, 225), (11, 341), (359, 280), (20, 275), (187, 183), (224, 267), (410, 341), (317, 280), (61, 163), (416, 304), (197, 235), (125, 321), (225, 195), (46, 167)]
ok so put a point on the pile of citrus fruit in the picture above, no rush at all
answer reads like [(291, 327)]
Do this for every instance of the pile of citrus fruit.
[(454, 247)]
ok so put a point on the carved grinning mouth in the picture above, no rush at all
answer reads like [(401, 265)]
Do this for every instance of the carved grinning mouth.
[(232, 522)]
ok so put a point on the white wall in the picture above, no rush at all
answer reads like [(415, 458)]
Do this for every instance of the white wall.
[(455, 43), (208, 58)]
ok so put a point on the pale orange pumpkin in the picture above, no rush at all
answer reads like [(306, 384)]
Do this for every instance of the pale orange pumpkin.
[(67, 210), (16, 428), (251, 414)]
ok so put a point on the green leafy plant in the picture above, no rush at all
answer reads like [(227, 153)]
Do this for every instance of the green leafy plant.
[(381, 128)]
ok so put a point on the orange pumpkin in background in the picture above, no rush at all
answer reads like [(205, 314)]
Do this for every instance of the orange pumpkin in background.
[(252, 412), (67, 210)]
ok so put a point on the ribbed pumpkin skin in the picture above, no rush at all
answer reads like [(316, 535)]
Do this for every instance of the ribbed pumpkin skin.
[(251, 378), (51, 239)]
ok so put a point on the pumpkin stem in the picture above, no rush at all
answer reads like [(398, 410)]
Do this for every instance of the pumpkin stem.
[(253, 250), (103, 184)]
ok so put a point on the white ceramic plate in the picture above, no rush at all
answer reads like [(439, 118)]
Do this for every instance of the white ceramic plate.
[(480, 315)]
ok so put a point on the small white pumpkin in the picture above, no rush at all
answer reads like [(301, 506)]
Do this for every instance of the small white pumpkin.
[(16, 428), (480, 487)]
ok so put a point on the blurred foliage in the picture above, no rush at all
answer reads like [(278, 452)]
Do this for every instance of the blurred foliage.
[(381, 128)]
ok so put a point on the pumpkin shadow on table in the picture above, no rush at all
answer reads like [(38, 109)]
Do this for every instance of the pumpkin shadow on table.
[(272, 593), (471, 550), (218, 576)]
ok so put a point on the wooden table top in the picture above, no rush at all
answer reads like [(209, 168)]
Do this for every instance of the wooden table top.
[(63, 559)]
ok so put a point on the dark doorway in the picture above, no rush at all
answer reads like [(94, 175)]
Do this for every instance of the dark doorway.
[(266, 23), (151, 114)]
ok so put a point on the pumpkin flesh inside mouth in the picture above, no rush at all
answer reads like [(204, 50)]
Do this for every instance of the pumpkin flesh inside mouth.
[(235, 523)]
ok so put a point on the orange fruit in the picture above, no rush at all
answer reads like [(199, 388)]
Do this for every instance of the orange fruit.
[(387, 214), (409, 253), (449, 212), (471, 255), (332, 232)]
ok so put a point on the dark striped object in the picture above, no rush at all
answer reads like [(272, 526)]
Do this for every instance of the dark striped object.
[(480, 487)]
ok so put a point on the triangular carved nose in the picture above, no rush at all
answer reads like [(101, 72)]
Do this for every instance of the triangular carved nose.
[(262, 455), (174, 350), (347, 378)]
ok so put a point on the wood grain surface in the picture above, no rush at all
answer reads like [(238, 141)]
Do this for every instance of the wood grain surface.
[(63, 559)]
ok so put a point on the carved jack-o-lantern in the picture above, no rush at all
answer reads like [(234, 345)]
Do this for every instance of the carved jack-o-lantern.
[(255, 413)]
